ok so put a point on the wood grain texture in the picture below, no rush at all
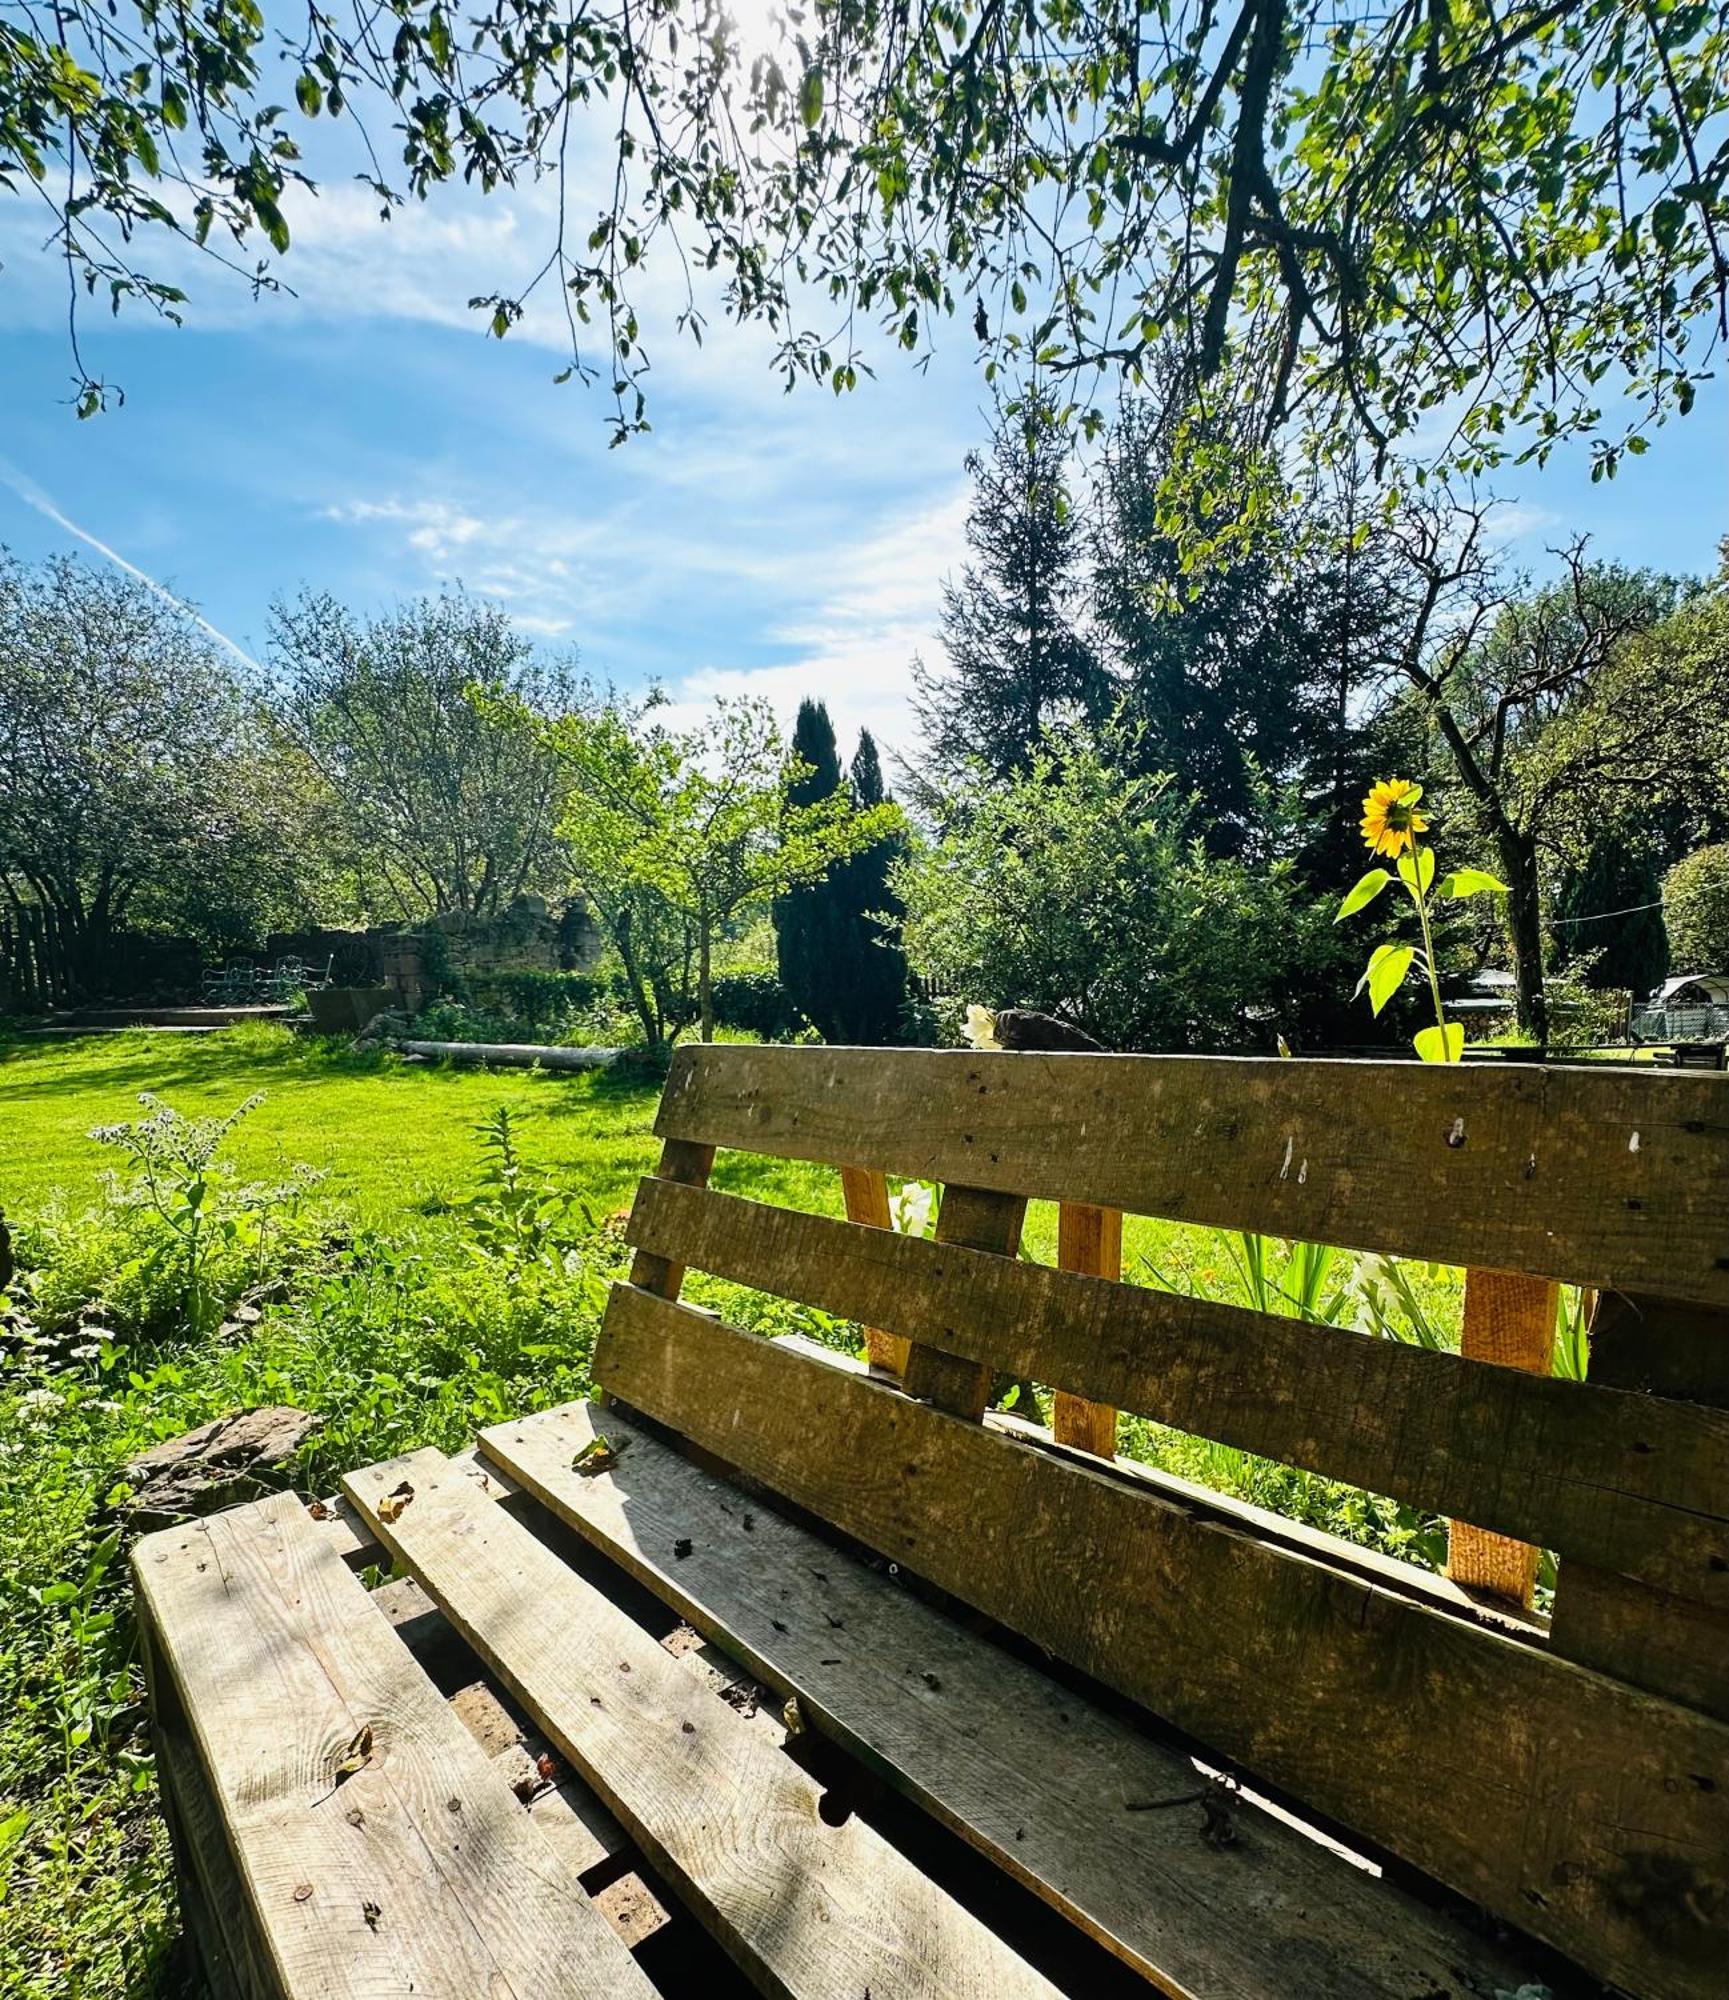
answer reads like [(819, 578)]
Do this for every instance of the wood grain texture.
[(977, 1220), (1508, 1319), (1595, 1816), (867, 1202), (687, 1165), (279, 1664), (1612, 1178), (213, 1907), (1630, 1483), (1089, 1240), (1062, 1795), (1673, 1645), (806, 1909)]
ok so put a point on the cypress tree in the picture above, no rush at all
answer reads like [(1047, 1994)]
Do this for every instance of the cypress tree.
[(840, 961), (873, 911), (810, 930)]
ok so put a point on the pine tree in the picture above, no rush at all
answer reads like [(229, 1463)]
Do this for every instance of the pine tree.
[(1241, 675), (1016, 658)]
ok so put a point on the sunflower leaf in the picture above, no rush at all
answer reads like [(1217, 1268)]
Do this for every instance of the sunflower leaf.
[(1363, 894), (1460, 882), (1418, 871), (1441, 1044), (1386, 973)]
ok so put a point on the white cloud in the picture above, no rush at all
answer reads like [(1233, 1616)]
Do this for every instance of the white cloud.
[(857, 641), (840, 615)]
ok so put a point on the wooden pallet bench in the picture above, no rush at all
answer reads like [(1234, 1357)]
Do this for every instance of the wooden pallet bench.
[(781, 1672)]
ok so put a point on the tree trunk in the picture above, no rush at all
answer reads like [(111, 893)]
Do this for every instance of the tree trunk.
[(704, 986), (1518, 855), (646, 1012)]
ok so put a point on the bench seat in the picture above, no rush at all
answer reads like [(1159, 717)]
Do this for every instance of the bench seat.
[(682, 1771)]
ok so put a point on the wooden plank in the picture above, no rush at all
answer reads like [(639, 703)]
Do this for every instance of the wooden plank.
[(1597, 1176), (1673, 1645), (687, 1165), (1053, 1789), (1635, 1484), (732, 1824), (990, 1224), (285, 1672), (213, 1908), (1404, 1579), (1089, 1240), (867, 1202), (1509, 1319), (1592, 1814)]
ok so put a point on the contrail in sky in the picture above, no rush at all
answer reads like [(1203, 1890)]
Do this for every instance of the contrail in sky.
[(32, 495)]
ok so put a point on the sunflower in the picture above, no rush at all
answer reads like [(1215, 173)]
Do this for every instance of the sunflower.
[(1391, 821)]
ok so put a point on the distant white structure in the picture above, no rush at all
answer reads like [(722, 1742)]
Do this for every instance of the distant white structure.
[(1691, 1007)]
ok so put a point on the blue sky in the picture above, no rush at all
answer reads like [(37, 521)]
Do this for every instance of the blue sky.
[(367, 438)]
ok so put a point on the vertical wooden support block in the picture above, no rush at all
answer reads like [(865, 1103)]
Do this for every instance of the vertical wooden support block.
[(684, 1161), (1666, 1644), (1509, 1320), (1089, 1240), (867, 1201), (973, 1219)]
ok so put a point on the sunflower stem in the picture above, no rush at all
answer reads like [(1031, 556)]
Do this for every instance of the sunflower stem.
[(1415, 885)]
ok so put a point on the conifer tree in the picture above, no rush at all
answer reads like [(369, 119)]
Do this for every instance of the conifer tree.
[(1017, 661), (879, 966), (840, 962)]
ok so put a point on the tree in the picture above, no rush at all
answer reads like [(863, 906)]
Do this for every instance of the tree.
[(1696, 909), (839, 957), (1248, 672), (1016, 660), (879, 965), (1349, 221), (136, 778), (1607, 911), (1547, 708), (420, 723), (701, 822), (1083, 890)]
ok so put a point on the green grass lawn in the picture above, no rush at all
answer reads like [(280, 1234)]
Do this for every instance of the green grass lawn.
[(395, 1140)]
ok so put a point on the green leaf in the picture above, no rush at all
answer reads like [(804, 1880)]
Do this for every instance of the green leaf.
[(1363, 894), (1469, 882), (1441, 1045), (308, 95), (1386, 974), (1418, 871), (810, 98)]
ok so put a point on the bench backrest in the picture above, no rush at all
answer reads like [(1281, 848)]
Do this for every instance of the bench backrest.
[(1573, 1777)]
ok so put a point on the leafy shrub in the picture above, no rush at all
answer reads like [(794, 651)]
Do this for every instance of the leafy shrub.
[(758, 1004), (1696, 910)]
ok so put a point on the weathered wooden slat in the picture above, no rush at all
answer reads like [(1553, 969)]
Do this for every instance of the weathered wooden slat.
[(1089, 1240), (1509, 1320), (990, 1224), (1062, 1795), (867, 1201), (686, 1165), (735, 1827), (1675, 1646), (1600, 1177), (286, 1674), (1630, 1483), (1594, 1815)]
